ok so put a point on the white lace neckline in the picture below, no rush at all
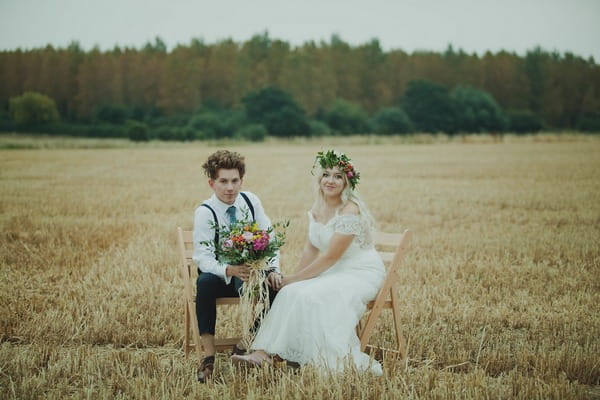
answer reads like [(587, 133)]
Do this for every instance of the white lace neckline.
[(330, 220)]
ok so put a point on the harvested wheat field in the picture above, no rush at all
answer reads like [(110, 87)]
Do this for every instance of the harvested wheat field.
[(500, 288)]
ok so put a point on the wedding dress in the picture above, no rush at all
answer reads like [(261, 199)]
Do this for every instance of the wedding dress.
[(313, 321)]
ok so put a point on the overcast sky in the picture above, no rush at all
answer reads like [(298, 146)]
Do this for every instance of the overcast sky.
[(473, 25)]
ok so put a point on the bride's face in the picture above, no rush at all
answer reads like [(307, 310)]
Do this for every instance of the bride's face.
[(332, 182)]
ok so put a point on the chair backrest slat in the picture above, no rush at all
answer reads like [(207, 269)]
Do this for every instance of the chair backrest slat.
[(386, 239), (188, 237), (394, 265)]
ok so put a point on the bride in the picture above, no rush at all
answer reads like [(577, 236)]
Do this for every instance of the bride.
[(313, 318)]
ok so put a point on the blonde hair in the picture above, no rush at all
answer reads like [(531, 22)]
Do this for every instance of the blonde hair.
[(348, 194)]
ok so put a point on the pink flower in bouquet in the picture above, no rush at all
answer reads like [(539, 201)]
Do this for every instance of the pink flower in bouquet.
[(261, 243), (228, 243)]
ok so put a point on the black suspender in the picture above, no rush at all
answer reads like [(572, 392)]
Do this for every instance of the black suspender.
[(250, 206), (216, 223)]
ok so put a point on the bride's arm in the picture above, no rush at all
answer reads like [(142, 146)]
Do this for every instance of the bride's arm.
[(309, 254), (337, 246)]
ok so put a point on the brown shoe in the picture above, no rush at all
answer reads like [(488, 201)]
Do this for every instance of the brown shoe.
[(281, 362), (206, 369)]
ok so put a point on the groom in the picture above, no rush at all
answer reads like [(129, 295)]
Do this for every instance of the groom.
[(225, 171)]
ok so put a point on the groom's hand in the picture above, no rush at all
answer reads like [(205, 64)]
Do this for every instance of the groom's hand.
[(241, 271)]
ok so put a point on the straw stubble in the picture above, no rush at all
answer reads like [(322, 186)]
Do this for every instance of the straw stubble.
[(499, 290)]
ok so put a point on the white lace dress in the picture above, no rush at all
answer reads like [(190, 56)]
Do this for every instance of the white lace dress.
[(313, 321)]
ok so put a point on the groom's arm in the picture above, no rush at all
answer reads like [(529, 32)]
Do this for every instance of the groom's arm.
[(204, 255)]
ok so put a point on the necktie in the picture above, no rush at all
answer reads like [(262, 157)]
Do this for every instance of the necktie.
[(231, 213)]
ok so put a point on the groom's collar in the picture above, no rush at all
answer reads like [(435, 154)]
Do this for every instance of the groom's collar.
[(222, 207)]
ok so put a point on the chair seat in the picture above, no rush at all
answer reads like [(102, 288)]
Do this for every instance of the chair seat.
[(386, 304), (228, 301)]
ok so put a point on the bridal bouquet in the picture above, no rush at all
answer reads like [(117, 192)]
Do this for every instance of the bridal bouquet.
[(243, 242)]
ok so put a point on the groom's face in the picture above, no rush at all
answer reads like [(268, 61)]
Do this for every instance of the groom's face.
[(227, 185)]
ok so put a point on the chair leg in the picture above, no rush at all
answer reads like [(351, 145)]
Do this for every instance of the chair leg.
[(186, 332), (195, 331), (359, 328), (397, 323), (369, 325)]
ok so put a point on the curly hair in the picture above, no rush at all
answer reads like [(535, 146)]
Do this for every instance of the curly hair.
[(224, 159)]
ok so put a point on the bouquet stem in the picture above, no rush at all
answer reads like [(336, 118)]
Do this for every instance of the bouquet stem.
[(254, 302)]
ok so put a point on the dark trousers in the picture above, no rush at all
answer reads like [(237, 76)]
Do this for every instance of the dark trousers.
[(208, 288)]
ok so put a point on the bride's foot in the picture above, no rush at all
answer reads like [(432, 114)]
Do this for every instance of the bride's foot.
[(254, 359), (238, 350)]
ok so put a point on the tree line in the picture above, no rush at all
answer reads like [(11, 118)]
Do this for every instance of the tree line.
[(264, 86)]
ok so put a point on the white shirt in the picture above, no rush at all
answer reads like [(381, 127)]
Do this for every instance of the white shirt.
[(204, 256)]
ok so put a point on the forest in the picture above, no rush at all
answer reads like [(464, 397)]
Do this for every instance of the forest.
[(267, 87)]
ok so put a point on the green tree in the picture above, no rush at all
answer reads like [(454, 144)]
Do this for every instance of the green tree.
[(308, 77), (536, 62), (373, 90), (218, 79), (210, 124), (345, 117), (180, 82), (561, 89), (589, 122), (252, 132), (392, 120), (32, 109), (430, 107), (504, 78), (478, 111), (111, 113), (98, 83), (137, 131), (158, 46), (343, 61), (395, 75), (277, 111), (524, 121), (253, 59), (319, 128)]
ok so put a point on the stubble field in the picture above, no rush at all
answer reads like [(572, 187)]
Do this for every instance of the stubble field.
[(500, 289)]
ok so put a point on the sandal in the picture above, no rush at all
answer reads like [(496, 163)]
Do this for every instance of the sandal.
[(206, 369), (237, 350), (251, 360)]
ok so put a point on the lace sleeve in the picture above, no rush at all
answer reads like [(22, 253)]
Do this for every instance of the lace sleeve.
[(348, 225)]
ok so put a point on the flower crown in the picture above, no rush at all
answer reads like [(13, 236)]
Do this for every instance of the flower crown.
[(334, 158)]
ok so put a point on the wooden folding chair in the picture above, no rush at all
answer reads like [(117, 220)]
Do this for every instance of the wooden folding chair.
[(189, 273), (388, 294)]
